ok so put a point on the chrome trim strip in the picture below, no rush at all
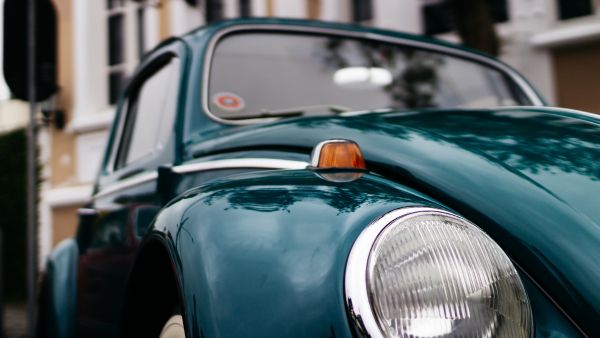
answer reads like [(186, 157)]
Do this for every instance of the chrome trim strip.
[(549, 109), (128, 183), (355, 284), (520, 81), (87, 212), (357, 299), (259, 163)]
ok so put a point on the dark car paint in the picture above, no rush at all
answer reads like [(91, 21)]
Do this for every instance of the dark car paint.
[(267, 253), (528, 176), (459, 157)]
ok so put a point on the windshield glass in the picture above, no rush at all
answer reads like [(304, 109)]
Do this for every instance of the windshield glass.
[(268, 74)]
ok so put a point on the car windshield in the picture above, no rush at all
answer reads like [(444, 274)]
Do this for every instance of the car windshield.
[(270, 74)]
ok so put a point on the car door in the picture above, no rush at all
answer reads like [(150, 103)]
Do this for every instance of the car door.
[(143, 138)]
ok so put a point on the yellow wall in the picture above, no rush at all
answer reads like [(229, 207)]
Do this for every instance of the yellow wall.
[(165, 20), (63, 143), (65, 223), (63, 161), (577, 75)]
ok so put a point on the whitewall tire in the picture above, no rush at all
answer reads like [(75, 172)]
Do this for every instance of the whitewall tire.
[(173, 328)]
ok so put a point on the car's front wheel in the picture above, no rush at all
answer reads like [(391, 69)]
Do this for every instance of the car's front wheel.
[(173, 328)]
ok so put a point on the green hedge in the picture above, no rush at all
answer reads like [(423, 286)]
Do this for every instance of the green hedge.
[(13, 218)]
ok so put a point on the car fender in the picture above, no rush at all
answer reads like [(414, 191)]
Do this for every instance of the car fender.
[(252, 250), (59, 291), (264, 255)]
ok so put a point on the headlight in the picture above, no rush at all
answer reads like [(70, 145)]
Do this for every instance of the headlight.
[(420, 272)]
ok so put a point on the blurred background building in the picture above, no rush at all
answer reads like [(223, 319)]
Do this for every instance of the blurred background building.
[(555, 43)]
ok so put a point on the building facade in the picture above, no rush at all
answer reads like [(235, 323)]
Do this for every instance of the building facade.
[(555, 43)]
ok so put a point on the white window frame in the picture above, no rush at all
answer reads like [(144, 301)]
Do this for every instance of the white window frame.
[(132, 55), (91, 104)]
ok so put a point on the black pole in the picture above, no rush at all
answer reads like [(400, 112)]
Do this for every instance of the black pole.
[(31, 175), (2, 256)]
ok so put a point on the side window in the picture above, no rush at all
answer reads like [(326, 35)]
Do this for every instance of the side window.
[(150, 115)]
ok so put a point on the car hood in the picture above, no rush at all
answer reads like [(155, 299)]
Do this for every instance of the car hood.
[(529, 177)]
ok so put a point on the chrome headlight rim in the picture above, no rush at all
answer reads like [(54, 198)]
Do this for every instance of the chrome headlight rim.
[(356, 280)]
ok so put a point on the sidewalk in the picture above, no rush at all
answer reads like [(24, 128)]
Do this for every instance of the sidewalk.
[(15, 320)]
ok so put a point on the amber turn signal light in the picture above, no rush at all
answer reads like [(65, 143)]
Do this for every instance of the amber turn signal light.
[(337, 154)]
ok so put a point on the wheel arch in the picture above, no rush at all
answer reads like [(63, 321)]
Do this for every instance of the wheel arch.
[(58, 292), (240, 250), (153, 290)]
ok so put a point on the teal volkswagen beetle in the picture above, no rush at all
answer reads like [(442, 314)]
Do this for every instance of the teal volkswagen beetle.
[(282, 178)]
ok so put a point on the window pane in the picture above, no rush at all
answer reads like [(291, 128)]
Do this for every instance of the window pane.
[(569, 9), (116, 53), (214, 10), (170, 107), (140, 31), (307, 71), (116, 84), (439, 19), (362, 10), (245, 10), (153, 111), (499, 10), (114, 3)]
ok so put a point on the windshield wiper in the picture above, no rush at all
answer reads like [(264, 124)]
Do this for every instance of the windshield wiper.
[(291, 112)]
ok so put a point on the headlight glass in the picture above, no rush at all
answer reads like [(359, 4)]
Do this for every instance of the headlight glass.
[(430, 273)]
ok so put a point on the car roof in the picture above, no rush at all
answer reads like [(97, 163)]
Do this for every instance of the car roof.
[(197, 34)]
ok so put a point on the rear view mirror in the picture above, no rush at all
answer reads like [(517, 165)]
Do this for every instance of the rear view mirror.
[(85, 230)]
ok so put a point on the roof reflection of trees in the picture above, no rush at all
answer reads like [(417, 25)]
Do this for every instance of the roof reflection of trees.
[(415, 75), (280, 192), (533, 143), (524, 140)]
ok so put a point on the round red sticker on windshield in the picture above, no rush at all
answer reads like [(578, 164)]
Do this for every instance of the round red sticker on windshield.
[(229, 102)]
